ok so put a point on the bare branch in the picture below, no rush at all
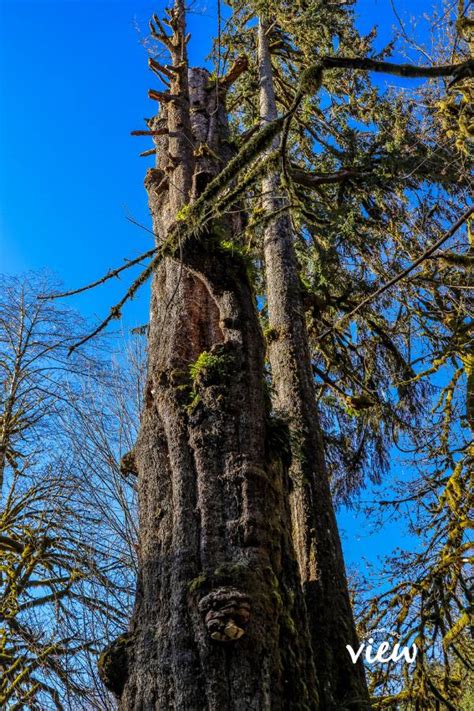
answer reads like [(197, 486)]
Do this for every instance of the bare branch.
[(163, 96), (237, 69), (409, 71), (158, 68), (149, 152), (160, 34), (102, 280), (115, 311), (158, 132), (181, 233)]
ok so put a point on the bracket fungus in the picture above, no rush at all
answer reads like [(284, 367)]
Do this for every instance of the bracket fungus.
[(226, 613)]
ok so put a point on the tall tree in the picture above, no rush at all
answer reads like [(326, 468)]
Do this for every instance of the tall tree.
[(218, 584), (315, 533), (228, 541)]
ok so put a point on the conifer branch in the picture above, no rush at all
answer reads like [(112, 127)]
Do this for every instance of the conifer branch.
[(311, 180), (401, 275), (313, 76)]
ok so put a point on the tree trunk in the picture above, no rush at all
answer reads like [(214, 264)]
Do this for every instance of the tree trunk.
[(220, 621), (315, 534)]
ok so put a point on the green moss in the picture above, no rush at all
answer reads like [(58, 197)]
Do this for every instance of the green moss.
[(183, 214), (274, 582), (178, 376), (211, 367), (271, 334), (359, 403), (230, 571), (278, 598), (113, 664), (311, 79), (211, 81), (202, 149), (228, 245), (220, 232), (195, 400), (197, 583), (242, 256)]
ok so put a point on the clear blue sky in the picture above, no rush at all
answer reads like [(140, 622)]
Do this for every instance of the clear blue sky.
[(73, 84)]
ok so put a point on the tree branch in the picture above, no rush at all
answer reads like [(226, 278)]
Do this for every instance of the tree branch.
[(458, 71), (164, 96), (237, 69), (401, 275), (169, 72), (312, 79), (311, 180), (106, 277), (160, 34), (157, 132), (115, 311), (149, 152)]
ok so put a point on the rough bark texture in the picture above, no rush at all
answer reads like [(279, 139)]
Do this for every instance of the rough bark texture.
[(315, 534), (220, 620)]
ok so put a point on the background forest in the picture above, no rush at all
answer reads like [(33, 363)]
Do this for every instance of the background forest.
[(373, 173)]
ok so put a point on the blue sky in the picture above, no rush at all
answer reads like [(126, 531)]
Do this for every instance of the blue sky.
[(73, 84)]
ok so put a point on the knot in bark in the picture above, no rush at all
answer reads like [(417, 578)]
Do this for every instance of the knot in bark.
[(156, 181), (128, 464), (226, 613), (114, 664)]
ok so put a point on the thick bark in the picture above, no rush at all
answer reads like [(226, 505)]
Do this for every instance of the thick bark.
[(219, 621), (315, 534)]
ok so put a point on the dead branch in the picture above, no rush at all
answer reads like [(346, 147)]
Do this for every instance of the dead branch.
[(158, 68), (181, 233), (160, 34), (116, 310), (163, 96), (409, 71), (149, 152), (158, 132), (237, 69), (102, 280)]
